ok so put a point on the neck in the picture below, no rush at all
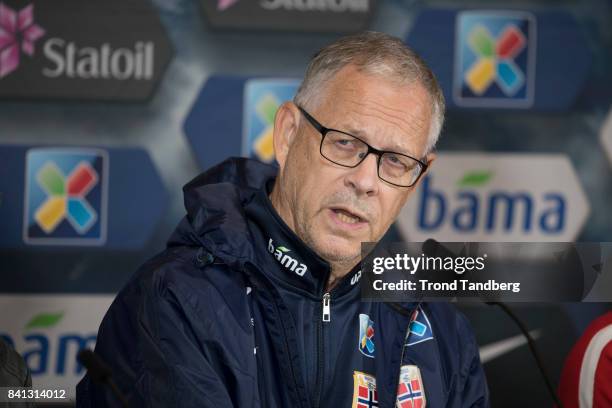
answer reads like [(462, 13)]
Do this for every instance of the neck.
[(281, 206), (339, 269)]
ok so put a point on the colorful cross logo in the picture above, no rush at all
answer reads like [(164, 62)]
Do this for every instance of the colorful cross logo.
[(18, 33), (262, 97), (65, 196), (494, 59)]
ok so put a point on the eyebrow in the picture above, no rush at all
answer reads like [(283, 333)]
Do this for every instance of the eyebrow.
[(395, 148)]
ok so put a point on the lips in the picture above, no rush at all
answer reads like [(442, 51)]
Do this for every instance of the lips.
[(347, 216)]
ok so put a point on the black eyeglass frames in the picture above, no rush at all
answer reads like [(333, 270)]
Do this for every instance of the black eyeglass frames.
[(348, 150)]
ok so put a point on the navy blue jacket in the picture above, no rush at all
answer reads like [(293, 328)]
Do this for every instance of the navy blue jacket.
[(233, 314)]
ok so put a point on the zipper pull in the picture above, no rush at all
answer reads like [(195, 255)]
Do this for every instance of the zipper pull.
[(327, 307)]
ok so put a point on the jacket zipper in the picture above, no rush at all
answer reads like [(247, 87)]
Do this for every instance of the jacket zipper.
[(325, 318), (326, 307)]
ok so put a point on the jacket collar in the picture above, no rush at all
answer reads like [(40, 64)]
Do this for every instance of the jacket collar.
[(215, 218), (286, 257), (230, 215)]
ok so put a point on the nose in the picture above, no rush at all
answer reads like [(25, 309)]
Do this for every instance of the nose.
[(364, 178)]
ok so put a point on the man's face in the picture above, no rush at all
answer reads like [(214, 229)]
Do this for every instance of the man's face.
[(333, 208)]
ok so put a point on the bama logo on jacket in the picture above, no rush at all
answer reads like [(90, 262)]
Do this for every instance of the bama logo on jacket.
[(281, 254)]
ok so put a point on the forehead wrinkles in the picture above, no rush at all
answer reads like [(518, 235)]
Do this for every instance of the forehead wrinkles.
[(411, 124)]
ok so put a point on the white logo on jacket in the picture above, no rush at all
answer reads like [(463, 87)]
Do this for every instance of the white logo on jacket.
[(281, 254)]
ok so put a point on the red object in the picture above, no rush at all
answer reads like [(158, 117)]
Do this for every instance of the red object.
[(367, 398), (410, 396), (81, 180), (586, 379), (510, 43)]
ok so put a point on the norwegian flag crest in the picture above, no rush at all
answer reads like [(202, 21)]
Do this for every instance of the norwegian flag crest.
[(410, 390)]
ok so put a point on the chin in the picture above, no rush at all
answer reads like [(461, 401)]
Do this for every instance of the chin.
[(334, 251)]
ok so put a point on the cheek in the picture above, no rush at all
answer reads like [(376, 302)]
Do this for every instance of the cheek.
[(301, 168), (317, 190), (314, 188), (309, 190)]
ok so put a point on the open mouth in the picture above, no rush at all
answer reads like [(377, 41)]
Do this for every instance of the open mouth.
[(347, 217)]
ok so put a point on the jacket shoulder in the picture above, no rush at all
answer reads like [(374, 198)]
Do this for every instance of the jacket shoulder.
[(191, 279), (176, 322)]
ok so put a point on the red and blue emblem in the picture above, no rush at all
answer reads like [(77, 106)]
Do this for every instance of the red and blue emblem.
[(419, 329), (410, 391), (364, 391)]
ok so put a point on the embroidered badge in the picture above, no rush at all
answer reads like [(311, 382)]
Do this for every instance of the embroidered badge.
[(366, 335), (420, 328), (364, 391), (410, 391)]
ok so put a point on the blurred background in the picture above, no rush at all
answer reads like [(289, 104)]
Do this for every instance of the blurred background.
[(108, 108)]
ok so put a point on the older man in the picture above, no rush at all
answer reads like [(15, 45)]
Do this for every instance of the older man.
[(256, 301)]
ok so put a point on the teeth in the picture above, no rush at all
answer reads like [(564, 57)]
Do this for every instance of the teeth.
[(347, 218)]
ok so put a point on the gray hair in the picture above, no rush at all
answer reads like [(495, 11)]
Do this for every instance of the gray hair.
[(379, 54)]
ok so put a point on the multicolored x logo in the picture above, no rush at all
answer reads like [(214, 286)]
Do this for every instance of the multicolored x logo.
[(65, 196), (262, 97), (494, 59)]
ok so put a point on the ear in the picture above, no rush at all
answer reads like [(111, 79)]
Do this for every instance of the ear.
[(429, 159), (286, 123)]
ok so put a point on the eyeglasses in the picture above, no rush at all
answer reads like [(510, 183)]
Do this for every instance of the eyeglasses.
[(347, 150)]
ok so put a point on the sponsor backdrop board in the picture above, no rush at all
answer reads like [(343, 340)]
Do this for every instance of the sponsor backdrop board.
[(499, 197), (79, 197), (289, 15), (68, 49), (242, 110), (49, 330), (183, 135), (503, 58)]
